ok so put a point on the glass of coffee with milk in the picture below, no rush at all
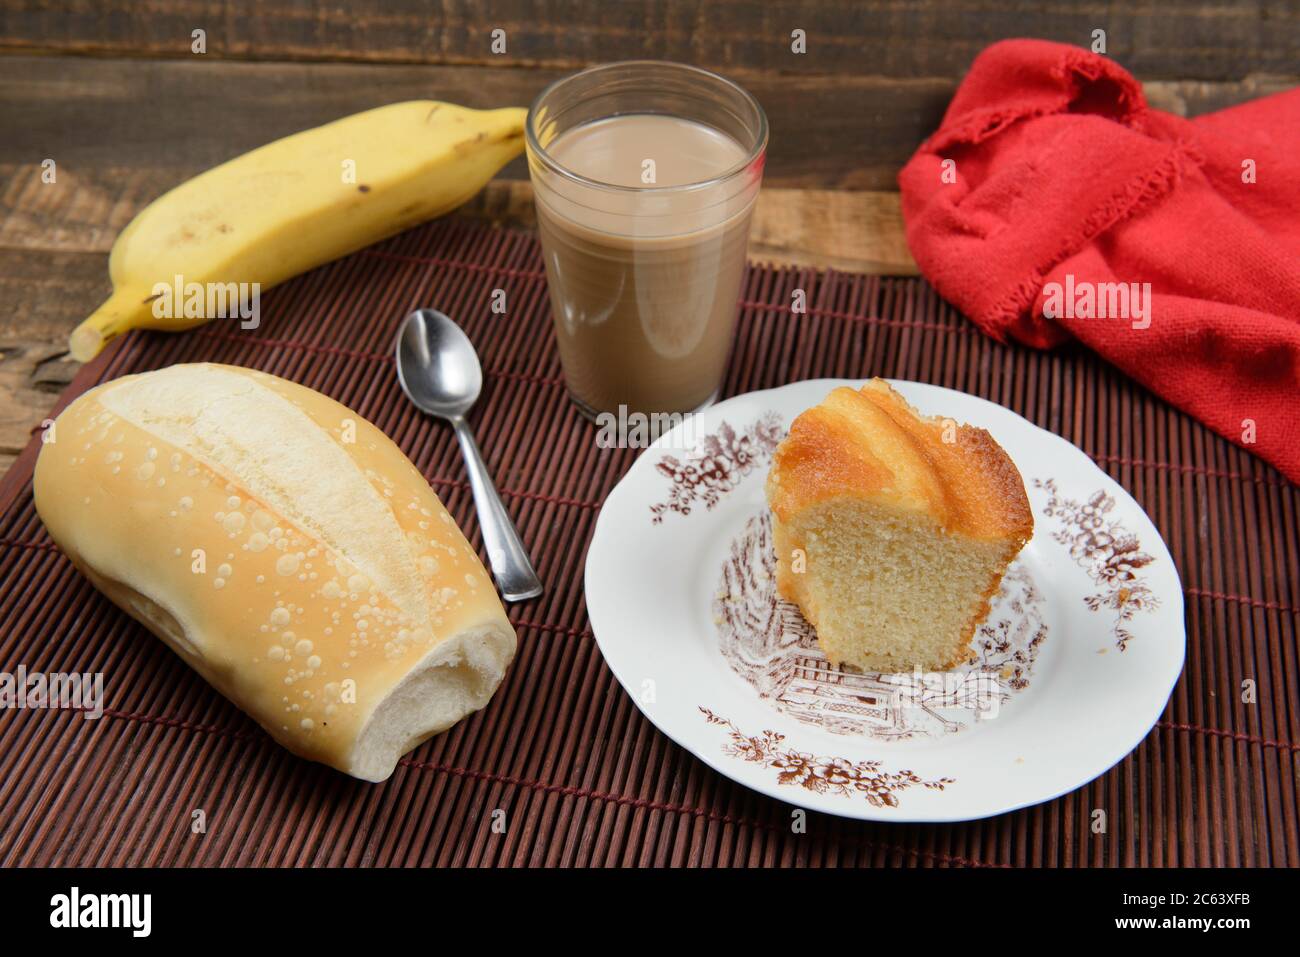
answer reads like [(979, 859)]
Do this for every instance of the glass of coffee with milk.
[(645, 175)]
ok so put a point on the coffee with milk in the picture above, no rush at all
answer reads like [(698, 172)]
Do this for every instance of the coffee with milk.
[(643, 235)]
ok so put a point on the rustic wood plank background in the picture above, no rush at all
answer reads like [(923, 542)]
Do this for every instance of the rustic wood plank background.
[(113, 92)]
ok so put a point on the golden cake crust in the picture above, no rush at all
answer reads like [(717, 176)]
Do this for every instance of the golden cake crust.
[(870, 443)]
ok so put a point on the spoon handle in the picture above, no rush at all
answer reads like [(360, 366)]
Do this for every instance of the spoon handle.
[(511, 566)]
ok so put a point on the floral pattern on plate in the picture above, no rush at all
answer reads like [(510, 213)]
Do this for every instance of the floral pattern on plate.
[(716, 465), (822, 775), (1110, 554)]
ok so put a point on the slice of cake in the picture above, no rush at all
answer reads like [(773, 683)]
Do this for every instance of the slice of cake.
[(892, 531)]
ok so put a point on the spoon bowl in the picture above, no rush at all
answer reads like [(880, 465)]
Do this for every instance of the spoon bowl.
[(436, 364)]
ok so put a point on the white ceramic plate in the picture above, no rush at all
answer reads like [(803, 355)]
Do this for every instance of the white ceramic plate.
[(1073, 665)]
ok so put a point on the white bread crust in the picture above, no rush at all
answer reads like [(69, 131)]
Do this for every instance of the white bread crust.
[(286, 549)]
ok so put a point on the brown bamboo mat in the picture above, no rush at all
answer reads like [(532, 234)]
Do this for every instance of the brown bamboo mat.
[(583, 778)]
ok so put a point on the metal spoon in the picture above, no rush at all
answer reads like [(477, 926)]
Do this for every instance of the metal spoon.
[(440, 373)]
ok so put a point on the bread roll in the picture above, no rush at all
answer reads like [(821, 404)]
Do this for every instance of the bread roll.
[(892, 530), (286, 549)]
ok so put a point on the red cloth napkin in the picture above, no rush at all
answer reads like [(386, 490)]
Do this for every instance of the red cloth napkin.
[(1050, 176)]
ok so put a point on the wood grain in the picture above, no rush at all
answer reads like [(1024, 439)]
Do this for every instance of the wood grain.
[(32, 374), (824, 203), (46, 293), (83, 213), (1183, 39), (187, 115), (55, 239), (87, 113)]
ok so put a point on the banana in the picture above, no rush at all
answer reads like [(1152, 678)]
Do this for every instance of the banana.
[(301, 201)]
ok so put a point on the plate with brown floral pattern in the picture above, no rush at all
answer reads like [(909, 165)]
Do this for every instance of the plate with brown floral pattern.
[(1071, 669)]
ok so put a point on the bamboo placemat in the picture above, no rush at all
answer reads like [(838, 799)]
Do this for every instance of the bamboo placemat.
[(582, 777)]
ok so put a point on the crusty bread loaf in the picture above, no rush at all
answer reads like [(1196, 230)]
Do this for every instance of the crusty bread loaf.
[(892, 531), (286, 549)]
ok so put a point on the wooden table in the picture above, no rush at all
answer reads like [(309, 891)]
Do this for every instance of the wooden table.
[(117, 96)]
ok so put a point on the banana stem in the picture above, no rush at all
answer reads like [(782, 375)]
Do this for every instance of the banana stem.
[(106, 323)]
